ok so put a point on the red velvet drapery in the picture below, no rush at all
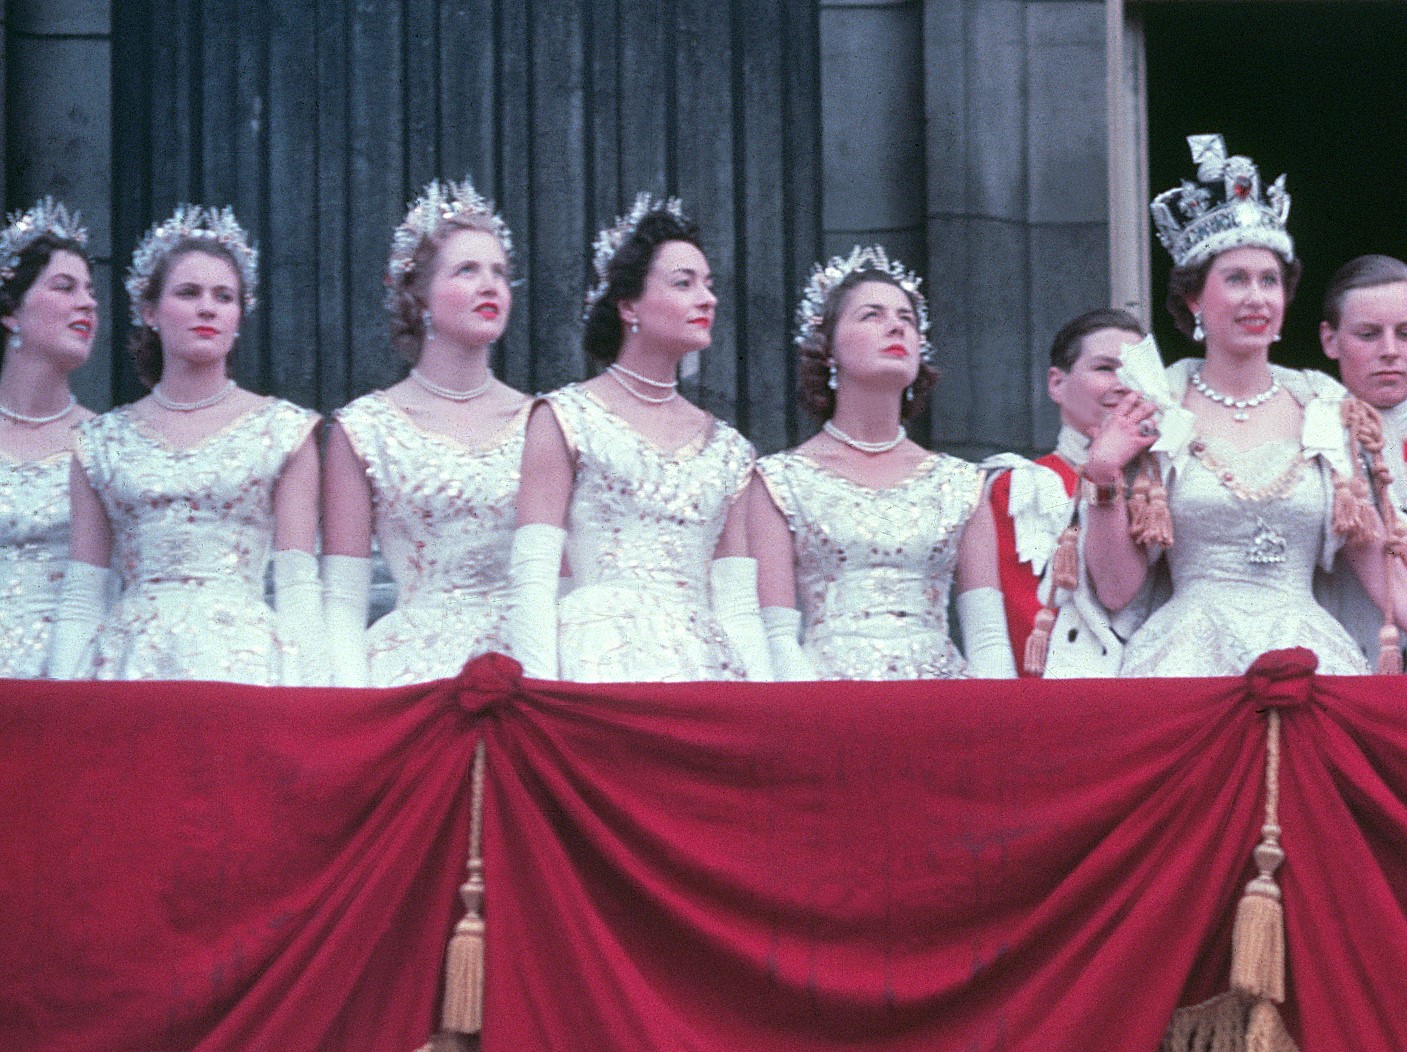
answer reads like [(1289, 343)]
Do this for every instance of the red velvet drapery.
[(888, 866)]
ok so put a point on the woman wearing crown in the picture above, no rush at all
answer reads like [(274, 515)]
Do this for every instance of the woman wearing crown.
[(429, 465), (50, 318), (190, 491), (1255, 475), (643, 489), (865, 528)]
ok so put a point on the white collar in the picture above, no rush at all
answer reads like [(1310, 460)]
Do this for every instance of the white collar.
[(1072, 445)]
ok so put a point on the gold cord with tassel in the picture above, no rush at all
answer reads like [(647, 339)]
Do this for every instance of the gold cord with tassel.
[(1150, 520), (1365, 428), (1064, 573), (1245, 1019), (464, 963)]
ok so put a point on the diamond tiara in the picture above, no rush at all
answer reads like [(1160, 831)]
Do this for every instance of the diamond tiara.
[(1224, 209), (825, 279), (194, 223), (24, 228), (439, 203), (609, 241)]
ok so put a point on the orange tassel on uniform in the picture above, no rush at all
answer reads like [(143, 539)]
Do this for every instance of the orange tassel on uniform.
[(1389, 650), (1065, 563), (1038, 642)]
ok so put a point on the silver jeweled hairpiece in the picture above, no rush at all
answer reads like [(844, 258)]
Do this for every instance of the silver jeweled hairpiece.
[(24, 228), (609, 241), (191, 222), (826, 279), (1224, 209), (438, 203)]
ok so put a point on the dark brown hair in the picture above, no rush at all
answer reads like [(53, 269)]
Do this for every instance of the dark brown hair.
[(1068, 345), (625, 279), (33, 260), (813, 367)]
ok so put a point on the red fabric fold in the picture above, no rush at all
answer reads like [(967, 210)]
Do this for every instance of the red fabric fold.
[(709, 867)]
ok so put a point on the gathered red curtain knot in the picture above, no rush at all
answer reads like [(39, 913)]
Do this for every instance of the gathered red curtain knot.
[(1281, 679), (485, 682)]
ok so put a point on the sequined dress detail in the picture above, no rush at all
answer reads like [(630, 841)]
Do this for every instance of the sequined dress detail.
[(642, 528), (33, 551), (193, 532), (874, 566), (443, 514), (1242, 570)]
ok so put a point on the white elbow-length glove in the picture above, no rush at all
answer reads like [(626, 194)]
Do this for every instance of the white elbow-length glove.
[(789, 661), (82, 603), (983, 618), (298, 614), (346, 599), (734, 583), (534, 568)]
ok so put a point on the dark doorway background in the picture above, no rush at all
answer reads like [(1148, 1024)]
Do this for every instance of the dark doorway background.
[(1310, 89)]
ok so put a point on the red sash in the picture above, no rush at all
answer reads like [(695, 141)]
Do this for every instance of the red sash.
[(1019, 585)]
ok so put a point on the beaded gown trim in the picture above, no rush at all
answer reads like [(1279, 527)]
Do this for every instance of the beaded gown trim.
[(443, 514), (874, 567), (33, 551), (642, 528), (193, 531)]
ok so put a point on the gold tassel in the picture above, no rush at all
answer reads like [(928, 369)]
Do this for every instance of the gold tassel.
[(1345, 507), (1153, 525), (1389, 650), (1038, 642), (1265, 1030), (1065, 563), (463, 1010), (1138, 506), (1245, 1019), (1258, 945)]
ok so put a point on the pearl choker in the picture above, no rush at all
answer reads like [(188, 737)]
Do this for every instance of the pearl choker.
[(618, 374), (663, 385), (864, 447), (190, 407), (449, 392), (38, 421), (1240, 408)]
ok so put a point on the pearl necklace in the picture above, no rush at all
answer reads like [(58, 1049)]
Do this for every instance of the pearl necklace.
[(191, 407), (615, 371), (449, 392), (663, 385), (1240, 409), (38, 421), (864, 447)]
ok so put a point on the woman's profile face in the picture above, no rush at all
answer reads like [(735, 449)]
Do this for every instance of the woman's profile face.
[(876, 334), (676, 307), (199, 310), (58, 316), (1243, 299)]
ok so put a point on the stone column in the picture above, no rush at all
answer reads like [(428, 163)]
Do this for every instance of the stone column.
[(58, 131)]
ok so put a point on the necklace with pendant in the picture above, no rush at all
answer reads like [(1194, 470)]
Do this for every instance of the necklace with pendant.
[(1240, 408), (1268, 545)]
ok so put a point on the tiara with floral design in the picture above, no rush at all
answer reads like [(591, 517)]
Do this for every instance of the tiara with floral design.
[(24, 228), (1224, 209), (194, 223), (826, 279), (440, 202), (609, 241)]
